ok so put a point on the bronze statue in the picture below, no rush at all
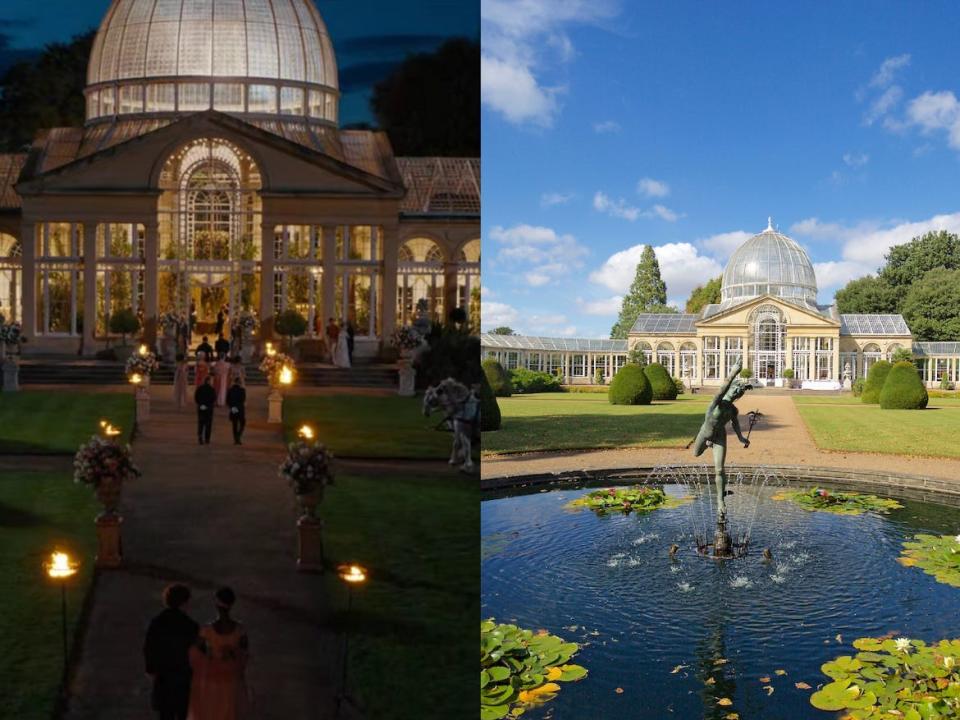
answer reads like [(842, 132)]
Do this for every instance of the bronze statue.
[(713, 433)]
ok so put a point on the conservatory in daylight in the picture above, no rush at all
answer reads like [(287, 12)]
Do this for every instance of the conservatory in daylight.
[(212, 172), (767, 319)]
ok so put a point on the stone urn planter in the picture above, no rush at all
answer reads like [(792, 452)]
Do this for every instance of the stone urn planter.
[(246, 347), (408, 376), (307, 469), (109, 491), (11, 370)]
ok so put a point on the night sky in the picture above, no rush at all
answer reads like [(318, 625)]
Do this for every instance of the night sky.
[(370, 36)]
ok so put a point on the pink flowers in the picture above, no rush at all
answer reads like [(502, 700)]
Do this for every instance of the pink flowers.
[(100, 459)]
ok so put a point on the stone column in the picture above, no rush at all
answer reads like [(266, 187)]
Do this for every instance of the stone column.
[(89, 289), (266, 278), (151, 281), (722, 368), (388, 299), (28, 245), (837, 370), (450, 296), (788, 354), (329, 286)]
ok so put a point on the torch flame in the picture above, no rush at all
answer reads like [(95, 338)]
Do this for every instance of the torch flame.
[(60, 567), (353, 574), (306, 432), (135, 379), (270, 349), (286, 376), (143, 350)]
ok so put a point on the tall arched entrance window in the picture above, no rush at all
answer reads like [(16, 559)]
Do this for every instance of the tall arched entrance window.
[(210, 234), (468, 282), (769, 341), (11, 278), (421, 278)]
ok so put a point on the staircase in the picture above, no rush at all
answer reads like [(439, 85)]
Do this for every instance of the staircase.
[(71, 371)]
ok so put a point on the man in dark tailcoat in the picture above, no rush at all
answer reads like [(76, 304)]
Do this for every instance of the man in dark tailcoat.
[(237, 402), (166, 652), (206, 399)]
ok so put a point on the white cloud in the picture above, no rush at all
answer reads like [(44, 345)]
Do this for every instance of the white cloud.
[(934, 111), (664, 213), (495, 314), (538, 254), (555, 198), (681, 267), (886, 95), (856, 160), (652, 188), (883, 104), (607, 126), (888, 70), (610, 306), (835, 274), (723, 244), (615, 208), (522, 39)]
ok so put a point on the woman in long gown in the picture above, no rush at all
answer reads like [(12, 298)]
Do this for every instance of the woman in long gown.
[(202, 370), (221, 382), (236, 371), (219, 689), (341, 352), (181, 379)]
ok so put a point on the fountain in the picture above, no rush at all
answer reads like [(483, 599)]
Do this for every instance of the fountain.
[(713, 433)]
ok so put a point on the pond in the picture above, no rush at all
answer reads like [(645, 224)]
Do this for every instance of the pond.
[(666, 636)]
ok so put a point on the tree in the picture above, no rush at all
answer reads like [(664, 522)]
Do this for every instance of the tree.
[(292, 324), (431, 104), (703, 295), (931, 306), (869, 294), (909, 262), (648, 293), (503, 330), (124, 322), (44, 93)]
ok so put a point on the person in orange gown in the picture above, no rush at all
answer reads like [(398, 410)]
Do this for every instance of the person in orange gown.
[(219, 689)]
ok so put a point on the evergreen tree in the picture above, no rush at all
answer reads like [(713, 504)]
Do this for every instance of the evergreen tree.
[(869, 294), (647, 294), (703, 295)]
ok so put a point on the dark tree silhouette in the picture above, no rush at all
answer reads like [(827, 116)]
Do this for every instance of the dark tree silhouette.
[(44, 93), (431, 104)]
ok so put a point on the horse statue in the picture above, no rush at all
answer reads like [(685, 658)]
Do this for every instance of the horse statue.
[(462, 409)]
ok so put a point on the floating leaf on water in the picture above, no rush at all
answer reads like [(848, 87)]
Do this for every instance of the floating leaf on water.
[(769, 689), (731, 716), (765, 679), (839, 638), (677, 669), (779, 672), (840, 503), (619, 691), (725, 702), (710, 681), (934, 554), (802, 686), (720, 661)]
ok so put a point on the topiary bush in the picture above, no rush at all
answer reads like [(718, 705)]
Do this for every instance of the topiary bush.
[(663, 386), (490, 418), (903, 389), (124, 322), (788, 374), (857, 387), (746, 373), (630, 386), (290, 324), (598, 376), (945, 383), (531, 381), (875, 379), (498, 378), (681, 388)]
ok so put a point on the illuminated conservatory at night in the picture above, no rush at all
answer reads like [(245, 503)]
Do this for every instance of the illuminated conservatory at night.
[(212, 171)]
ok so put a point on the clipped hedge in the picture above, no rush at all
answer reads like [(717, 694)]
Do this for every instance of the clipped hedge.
[(531, 381), (903, 388), (875, 379), (498, 378), (630, 387), (663, 386), (490, 418)]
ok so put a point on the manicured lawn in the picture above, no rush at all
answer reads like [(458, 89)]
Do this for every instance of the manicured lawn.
[(573, 421), (849, 399), (369, 426), (38, 512), (413, 639), (868, 428), (57, 422)]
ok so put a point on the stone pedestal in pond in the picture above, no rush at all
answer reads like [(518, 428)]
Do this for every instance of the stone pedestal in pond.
[(310, 537), (109, 543), (11, 375), (274, 407), (408, 378), (143, 403)]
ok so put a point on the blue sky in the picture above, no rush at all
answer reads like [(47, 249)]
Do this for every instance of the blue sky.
[(370, 36), (609, 125)]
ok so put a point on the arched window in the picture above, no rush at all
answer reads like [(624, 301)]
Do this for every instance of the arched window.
[(11, 270), (688, 360), (647, 351), (421, 278), (891, 349), (666, 356), (468, 282), (769, 331), (871, 353)]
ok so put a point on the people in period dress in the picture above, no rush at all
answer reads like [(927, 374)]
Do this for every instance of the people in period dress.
[(205, 348), (237, 371), (221, 380), (221, 319), (192, 318), (181, 381), (202, 370), (206, 398), (341, 353), (166, 653), (351, 333), (219, 689), (237, 403), (222, 346), (333, 334)]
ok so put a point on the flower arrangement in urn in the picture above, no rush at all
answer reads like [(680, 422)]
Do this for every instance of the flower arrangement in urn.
[(10, 333), (407, 337), (169, 322), (105, 465), (142, 363), (273, 366), (246, 322), (307, 468)]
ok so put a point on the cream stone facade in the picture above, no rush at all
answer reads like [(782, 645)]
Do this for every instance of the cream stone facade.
[(768, 320), (214, 174)]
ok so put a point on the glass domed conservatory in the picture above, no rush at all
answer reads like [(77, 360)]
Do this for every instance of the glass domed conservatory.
[(768, 319), (212, 171)]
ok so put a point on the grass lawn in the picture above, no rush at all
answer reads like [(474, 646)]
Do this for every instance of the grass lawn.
[(575, 421), (38, 512), (413, 643), (868, 428), (848, 399), (369, 426), (57, 422)]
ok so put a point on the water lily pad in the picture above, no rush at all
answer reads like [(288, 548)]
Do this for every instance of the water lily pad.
[(840, 503), (937, 555), (638, 498), (520, 669)]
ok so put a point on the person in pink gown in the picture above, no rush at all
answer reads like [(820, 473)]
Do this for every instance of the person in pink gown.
[(181, 379), (203, 369), (221, 380), (219, 688)]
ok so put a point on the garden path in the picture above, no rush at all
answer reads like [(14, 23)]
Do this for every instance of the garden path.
[(210, 516), (779, 438)]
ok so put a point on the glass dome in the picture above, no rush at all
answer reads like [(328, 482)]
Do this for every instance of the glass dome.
[(261, 58), (769, 263)]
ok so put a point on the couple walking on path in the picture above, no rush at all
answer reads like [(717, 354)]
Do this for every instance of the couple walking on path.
[(198, 672), (205, 398)]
